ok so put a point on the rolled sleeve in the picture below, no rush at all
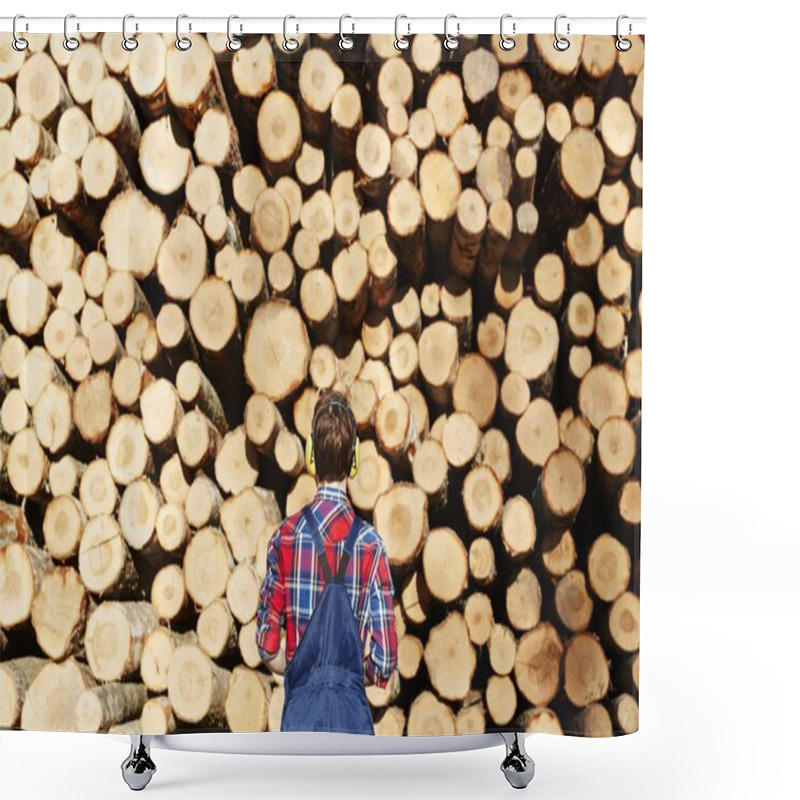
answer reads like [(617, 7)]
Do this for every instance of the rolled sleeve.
[(382, 660), (270, 614)]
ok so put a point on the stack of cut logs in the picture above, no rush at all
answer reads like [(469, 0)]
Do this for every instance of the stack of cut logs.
[(195, 243)]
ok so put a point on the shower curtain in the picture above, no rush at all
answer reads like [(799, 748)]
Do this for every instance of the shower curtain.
[(196, 242)]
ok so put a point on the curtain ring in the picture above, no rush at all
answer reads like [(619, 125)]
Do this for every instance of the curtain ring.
[(183, 43), (623, 45), (345, 42), (71, 43), (289, 44), (17, 42), (506, 42), (233, 44), (129, 43), (451, 42), (560, 43), (400, 42)]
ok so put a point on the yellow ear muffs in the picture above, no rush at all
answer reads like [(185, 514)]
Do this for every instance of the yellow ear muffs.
[(311, 467), (356, 462)]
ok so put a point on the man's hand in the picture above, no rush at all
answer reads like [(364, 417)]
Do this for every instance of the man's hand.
[(276, 662)]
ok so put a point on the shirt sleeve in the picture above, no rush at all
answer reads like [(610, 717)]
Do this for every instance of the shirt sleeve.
[(270, 614), (382, 660)]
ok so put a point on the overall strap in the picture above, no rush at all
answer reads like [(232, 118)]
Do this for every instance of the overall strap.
[(349, 545), (312, 528)]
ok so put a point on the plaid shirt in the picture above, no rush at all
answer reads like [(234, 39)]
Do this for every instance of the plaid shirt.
[(294, 583)]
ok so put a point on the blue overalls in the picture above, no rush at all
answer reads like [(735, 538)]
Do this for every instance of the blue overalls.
[(324, 682)]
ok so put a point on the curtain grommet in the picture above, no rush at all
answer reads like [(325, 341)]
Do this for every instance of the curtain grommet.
[(450, 42), (507, 42), (71, 43), (183, 43), (234, 44), (129, 43), (560, 43), (290, 44), (346, 43), (623, 44), (401, 43), (18, 42)]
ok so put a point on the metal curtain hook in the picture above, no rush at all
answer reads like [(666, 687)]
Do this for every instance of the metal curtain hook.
[(560, 43), (17, 42), (451, 42), (623, 45), (70, 42), (129, 43), (345, 42), (183, 43), (234, 43), (506, 42), (400, 42), (289, 44)]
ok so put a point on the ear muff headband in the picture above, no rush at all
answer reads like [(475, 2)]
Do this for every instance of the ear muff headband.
[(355, 458)]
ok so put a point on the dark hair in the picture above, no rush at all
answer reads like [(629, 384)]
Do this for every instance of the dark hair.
[(334, 434)]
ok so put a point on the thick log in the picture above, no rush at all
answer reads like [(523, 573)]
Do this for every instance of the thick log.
[(444, 564), (573, 604), (16, 676), (100, 707), (401, 518), (157, 650), (586, 673), (428, 716), (115, 634), (197, 687), (24, 568), (537, 664), (26, 464), (62, 527), (157, 718), (450, 658), (523, 600), (97, 491), (50, 699), (104, 560), (247, 701)]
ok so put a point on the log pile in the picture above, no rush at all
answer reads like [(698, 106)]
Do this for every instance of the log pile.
[(193, 244)]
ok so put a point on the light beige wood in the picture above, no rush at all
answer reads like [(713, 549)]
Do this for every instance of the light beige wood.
[(450, 658), (537, 664), (207, 566), (502, 649), (49, 703), (480, 618), (24, 568), (157, 718), (444, 564), (428, 716), (197, 687), (623, 622), (115, 633), (401, 518), (100, 707), (586, 674), (247, 701), (16, 676), (26, 464), (524, 600), (574, 606)]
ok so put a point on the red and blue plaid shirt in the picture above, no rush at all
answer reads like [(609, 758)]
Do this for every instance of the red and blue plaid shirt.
[(294, 582)]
